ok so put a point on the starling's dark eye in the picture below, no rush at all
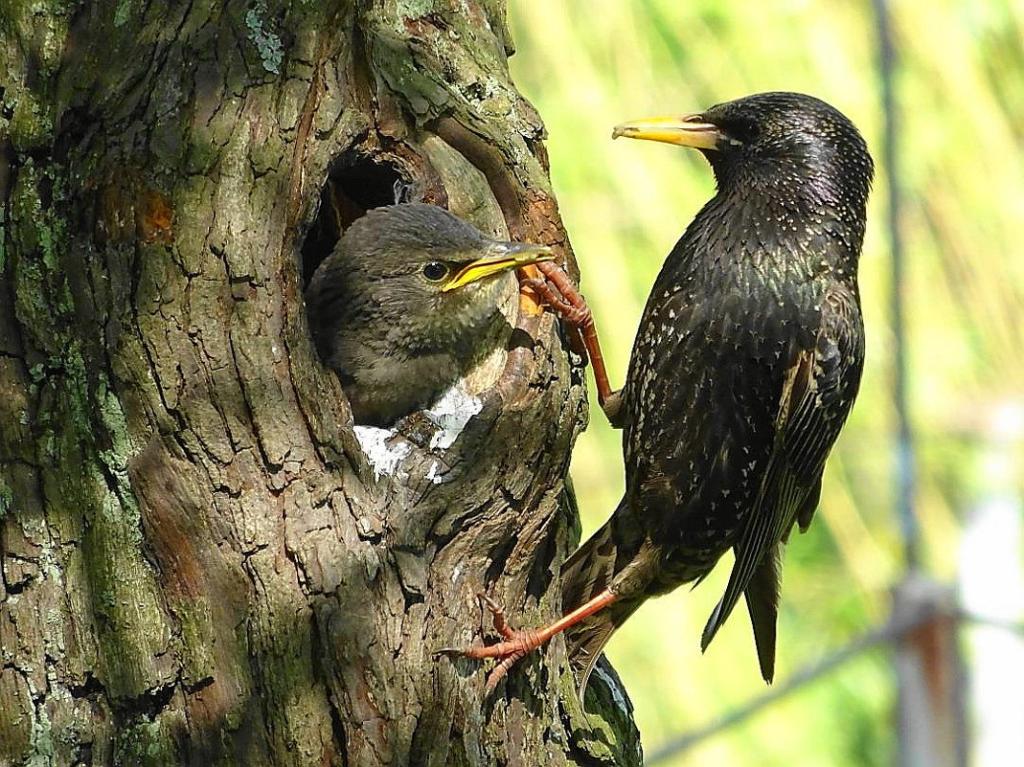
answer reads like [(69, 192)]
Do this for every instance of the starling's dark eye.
[(746, 131), (435, 271)]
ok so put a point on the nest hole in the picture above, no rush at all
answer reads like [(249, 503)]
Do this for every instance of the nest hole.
[(356, 183)]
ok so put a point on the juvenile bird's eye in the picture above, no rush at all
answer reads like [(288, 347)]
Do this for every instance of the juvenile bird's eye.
[(435, 271)]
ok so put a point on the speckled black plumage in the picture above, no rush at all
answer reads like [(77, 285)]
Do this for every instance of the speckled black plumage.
[(745, 366)]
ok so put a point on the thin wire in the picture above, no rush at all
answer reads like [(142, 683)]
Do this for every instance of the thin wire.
[(905, 457), (885, 633), (1012, 627)]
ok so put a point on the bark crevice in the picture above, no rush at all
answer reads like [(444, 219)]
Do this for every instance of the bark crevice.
[(202, 560)]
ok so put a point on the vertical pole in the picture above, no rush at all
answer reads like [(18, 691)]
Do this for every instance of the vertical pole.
[(929, 674), (928, 667), (905, 469)]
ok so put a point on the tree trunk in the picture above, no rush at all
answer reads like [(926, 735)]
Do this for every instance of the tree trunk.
[(203, 562)]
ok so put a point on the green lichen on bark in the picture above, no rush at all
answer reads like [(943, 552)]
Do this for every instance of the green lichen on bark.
[(6, 498), (199, 564), (261, 35), (149, 743), (40, 30)]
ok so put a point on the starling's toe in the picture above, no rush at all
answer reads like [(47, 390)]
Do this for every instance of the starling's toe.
[(514, 645), (501, 671), (498, 616), (562, 295)]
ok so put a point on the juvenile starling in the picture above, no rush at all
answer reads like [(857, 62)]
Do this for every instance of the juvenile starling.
[(745, 366), (408, 303)]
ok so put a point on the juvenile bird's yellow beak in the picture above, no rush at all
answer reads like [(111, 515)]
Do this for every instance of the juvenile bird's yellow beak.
[(687, 130), (501, 257)]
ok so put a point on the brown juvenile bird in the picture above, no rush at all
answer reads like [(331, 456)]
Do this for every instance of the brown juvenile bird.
[(746, 364), (408, 303)]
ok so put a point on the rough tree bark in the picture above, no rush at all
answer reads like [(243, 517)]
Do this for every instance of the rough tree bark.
[(201, 561)]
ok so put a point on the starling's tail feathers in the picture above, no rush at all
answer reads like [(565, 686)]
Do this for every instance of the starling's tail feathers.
[(586, 574), (762, 595), (587, 639), (589, 570)]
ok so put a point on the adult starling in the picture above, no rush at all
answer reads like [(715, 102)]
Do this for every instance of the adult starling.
[(408, 302), (746, 364)]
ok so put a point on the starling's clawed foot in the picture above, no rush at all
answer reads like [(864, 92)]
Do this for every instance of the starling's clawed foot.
[(573, 315), (514, 645), (559, 292)]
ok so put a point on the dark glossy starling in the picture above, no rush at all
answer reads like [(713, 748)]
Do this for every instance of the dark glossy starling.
[(745, 366), (409, 301)]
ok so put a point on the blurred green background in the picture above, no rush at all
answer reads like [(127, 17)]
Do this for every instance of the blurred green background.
[(588, 65)]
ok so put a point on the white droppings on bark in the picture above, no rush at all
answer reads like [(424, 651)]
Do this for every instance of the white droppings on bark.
[(451, 413), (385, 449), (382, 456), (433, 474)]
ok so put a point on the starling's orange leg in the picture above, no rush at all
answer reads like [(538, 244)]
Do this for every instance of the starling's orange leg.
[(573, 308), (571, 305), (517, 644)]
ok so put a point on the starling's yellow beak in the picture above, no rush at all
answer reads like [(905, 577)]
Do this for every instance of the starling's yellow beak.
[(687, 130), (502, 256)]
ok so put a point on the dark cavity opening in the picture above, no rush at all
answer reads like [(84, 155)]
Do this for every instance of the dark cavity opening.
[(357, 182)]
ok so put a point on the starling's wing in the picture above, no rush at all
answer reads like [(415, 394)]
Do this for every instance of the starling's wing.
[(816, 397), (757, 550)]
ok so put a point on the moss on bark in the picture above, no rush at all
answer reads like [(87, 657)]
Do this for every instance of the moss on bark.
[(200, 563)]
